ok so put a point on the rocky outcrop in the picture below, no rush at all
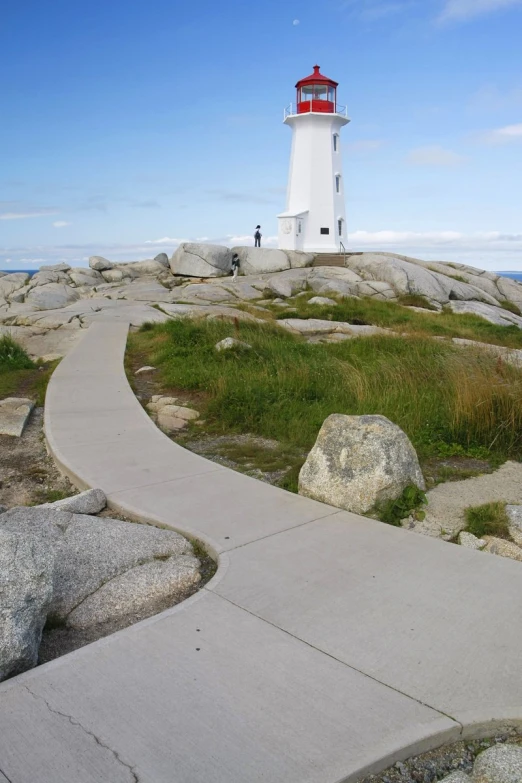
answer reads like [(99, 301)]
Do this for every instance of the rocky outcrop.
[(95, 551), (51, 296), (92, 501), (26, 589), (495, 315), (99, 263), (260, 260), (76, 570), (199, 260), (10, 283), (358, 462)]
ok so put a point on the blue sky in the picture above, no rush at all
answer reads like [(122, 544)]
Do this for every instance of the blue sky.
[(127, 127)]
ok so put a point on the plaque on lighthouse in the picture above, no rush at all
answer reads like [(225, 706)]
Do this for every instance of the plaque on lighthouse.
[(315, 216)]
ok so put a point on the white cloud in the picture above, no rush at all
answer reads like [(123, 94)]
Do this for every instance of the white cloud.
[(461, 10), (506, 135), (486, 250), (26, 214), (434, 156), (61, 223)]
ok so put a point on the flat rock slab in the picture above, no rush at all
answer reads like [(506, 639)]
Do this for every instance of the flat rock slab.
[(447, 502), (14, 414)]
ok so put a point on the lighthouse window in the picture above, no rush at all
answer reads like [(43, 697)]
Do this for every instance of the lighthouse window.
[(340, 225), (325, 231), (338, 183), (336, 142)]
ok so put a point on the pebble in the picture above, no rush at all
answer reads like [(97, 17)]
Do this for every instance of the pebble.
[(144, 370)]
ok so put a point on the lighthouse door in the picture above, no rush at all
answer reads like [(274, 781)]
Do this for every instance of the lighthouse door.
[(299, 233)]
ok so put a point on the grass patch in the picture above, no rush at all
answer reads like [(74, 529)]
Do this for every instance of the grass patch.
[(416, 300), (511, 307), (19, 375), (448, 401), (490, 519), (51, 496), (394, 316), (409, 502), (13, 356)]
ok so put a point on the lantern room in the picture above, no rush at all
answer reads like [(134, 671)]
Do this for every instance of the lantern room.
[(316, 93)]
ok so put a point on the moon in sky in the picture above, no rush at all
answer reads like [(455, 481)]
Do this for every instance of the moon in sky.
[(295, 22)]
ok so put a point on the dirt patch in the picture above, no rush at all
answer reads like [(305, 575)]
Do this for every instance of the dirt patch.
[(262, 458), (28, 475), (437, 471)]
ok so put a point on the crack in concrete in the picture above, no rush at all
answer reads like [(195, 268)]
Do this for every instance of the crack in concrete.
[(5, 776), (76, 723)]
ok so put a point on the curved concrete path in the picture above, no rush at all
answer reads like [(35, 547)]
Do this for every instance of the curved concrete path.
[(326, 646)]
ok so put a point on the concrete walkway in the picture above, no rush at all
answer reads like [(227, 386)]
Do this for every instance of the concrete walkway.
[(326, 646)]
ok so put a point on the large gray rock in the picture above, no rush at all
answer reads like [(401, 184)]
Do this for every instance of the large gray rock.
[(495, 315), (47, 524), (11, 282), (456, 777), (92, 501), (299, 260), (116, 275), (88, 277), (26, 587), (163, 259), (286, 285), (99, 263), (137, 268), (358, 462), (52, 296), (499, 764), (96, 550), (198, 260), (14, 413), (410, 276), (62, 267), (50, 276), (141, 589), (259, 260)]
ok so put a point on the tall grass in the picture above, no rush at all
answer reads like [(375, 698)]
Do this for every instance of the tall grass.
[(284, 388), (394, 316), (13, 356)]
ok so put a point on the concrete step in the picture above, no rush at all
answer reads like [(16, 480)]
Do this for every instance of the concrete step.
[(329, 259)]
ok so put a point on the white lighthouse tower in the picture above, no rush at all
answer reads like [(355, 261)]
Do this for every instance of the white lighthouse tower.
[(315, 215)]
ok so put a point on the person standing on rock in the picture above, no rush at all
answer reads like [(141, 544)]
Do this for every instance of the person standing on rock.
[(235, 265), (257, 236)]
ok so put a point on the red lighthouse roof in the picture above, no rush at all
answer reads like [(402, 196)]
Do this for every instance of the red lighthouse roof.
[(316, 78)]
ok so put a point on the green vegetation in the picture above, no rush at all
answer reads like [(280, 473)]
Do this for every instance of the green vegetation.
[(416, 300), (19, 375), (512, 307), (410, 502), (490, 519), (402, 319), (448, 401), (13, 356)]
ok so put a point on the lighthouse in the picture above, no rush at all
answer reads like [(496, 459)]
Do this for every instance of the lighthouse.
[(315, 216)]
